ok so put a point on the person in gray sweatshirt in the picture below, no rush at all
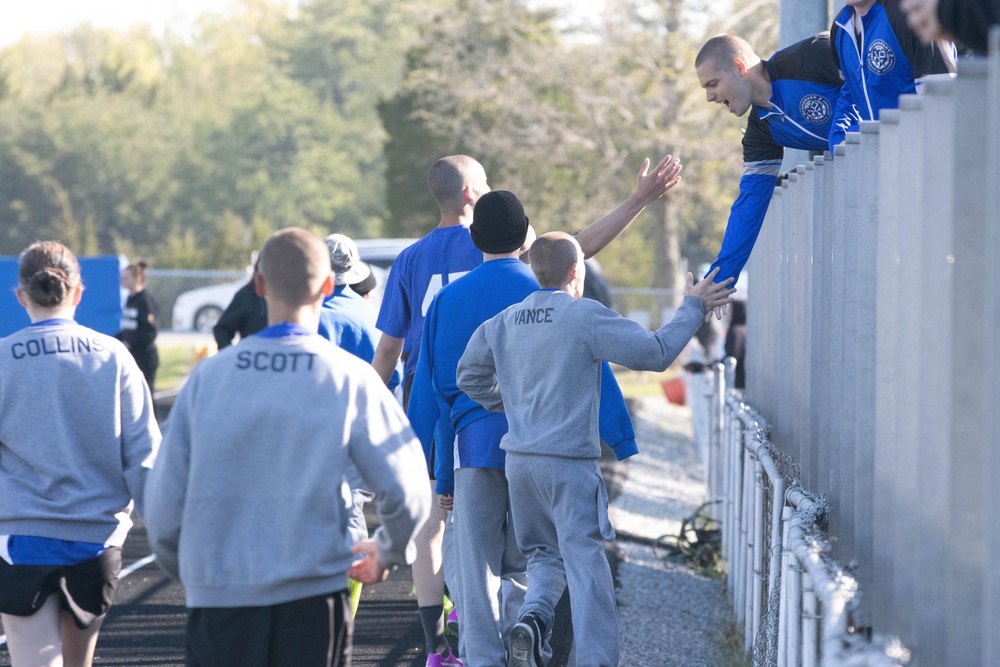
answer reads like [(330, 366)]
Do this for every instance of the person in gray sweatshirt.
[(539, 362), (248, 506), (77, 439)]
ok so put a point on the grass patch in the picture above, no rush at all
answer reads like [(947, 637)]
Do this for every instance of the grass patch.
[(636, 384), (176, 362), (731, 646)]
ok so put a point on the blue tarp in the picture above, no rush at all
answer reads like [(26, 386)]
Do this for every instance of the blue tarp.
[(101, 306)]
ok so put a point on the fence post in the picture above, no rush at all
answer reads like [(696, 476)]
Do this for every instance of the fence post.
[(831, 372), (865, 280), (844, 374), (907, 532), (935, 268), (819, 391), (969, 359), (992, 115), (884, 514), (777, 412)]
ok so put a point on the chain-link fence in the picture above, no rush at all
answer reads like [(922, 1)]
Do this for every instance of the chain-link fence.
[(192, 300), (794, 601)]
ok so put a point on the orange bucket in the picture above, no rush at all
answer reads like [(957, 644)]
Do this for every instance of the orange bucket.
[(674, 389)]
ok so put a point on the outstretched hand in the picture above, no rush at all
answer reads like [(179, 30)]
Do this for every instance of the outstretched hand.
[(367, 569), (650, 185), (715, 295)]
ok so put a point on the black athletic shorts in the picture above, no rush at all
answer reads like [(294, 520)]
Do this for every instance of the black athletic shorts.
[(86, 590), (312, 632)]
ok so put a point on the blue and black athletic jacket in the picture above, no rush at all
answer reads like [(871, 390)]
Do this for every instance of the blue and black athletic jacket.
[(804, 87), (878, 66)]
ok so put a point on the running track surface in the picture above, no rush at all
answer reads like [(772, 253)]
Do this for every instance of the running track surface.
[(146, 624)]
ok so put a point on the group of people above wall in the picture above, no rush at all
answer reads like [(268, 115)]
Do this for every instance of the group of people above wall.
[(809, 95)]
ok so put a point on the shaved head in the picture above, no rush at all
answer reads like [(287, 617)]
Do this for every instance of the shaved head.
[(552, 256), (449, 177), (721, 50), (294, 263)]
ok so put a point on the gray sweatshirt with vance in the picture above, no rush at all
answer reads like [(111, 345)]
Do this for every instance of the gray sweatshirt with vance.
[(539, 361), (247, 503)]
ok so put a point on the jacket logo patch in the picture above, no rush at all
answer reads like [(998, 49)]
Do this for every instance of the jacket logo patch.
[(880, 57), (815, 109)]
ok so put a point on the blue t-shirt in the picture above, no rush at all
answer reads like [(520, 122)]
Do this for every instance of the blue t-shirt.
[(438, 408), (419, 272), (348, 321)]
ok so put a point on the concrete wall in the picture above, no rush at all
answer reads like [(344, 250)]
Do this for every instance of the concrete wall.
[(871, 332)]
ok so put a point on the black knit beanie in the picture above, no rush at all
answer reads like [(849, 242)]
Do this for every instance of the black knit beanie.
[(499, 224)]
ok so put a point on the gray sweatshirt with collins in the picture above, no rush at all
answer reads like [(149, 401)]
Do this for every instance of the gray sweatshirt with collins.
[(539, 361), (77, 434)]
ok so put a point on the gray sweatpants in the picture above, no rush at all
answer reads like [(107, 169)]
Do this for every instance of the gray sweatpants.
[(491, 568), (560, 509)]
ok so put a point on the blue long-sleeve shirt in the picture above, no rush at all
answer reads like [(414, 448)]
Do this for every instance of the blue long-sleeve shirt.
[(879, 63), (804, 87), (348, 321), (438, 409)]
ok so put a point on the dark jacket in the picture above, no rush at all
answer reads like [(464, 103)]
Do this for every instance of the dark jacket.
[(245, 315), (139, 326), (969, 21), (139, 329)]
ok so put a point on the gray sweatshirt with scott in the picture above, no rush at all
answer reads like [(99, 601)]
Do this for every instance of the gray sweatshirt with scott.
[(539, 362), (247, 503)]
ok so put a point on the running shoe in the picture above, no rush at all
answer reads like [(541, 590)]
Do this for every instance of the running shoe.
[(452, 622), (526, 642), (447, 660)]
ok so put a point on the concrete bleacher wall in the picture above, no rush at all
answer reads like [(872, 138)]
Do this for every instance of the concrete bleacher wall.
[(871, 334)]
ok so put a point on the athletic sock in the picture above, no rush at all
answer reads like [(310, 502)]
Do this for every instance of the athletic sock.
[(354, 594), (432, 620)]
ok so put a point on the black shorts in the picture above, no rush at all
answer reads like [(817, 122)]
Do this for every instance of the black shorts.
[(312, 632), (86, 590)]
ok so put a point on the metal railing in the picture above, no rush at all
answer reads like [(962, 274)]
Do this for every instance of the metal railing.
[(795, 602)]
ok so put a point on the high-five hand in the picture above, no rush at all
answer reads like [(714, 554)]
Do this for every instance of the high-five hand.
[(715, 295), (650, 185)]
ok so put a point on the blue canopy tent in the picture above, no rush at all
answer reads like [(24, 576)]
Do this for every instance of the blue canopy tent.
[(101, 306)]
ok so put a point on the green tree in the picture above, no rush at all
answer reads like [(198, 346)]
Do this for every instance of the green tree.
[(565, 122)]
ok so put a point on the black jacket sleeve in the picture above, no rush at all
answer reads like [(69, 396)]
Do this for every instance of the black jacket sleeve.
[(969, 21), (246, 314), (924, 59)]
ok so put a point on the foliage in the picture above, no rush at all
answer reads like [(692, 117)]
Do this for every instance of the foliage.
[(565, 123), (193, 152), (190, 152)]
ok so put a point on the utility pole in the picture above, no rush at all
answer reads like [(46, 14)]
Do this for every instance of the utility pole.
[(801, 19)]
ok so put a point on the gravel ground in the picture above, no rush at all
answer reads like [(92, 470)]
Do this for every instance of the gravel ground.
[(670, 615)]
